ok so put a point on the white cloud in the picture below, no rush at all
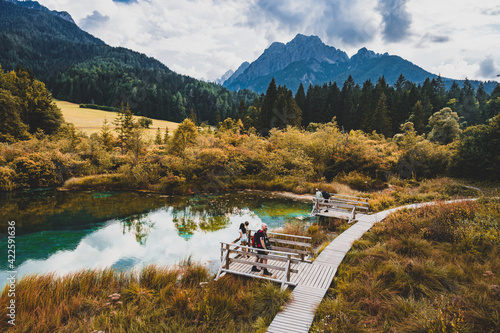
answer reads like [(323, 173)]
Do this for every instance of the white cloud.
[(205, 38)]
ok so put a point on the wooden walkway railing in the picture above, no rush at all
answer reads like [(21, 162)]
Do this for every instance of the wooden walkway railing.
[(340, 206), (301, 245), (277, 261)]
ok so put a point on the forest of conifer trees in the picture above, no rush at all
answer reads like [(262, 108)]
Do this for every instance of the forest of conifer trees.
[(377, 106)]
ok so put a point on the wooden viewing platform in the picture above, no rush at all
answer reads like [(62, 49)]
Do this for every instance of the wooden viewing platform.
[(310, 281), (341, 207)]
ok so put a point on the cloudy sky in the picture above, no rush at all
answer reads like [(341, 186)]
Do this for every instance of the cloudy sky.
[(205, 38)]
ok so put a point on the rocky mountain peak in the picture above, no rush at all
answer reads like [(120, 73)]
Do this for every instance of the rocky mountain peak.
[(364, 54), (278, 56)]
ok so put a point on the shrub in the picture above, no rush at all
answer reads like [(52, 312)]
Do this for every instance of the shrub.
[(7, 179), (35, 171), (360, 181)]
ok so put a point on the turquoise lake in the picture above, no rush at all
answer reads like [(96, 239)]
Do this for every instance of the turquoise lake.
[(63, 232)]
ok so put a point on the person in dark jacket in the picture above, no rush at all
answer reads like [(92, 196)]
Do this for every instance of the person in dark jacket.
[(260, 241)]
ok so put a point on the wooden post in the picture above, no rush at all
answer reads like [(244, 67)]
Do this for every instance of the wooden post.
[(227, 256), (288, 264)]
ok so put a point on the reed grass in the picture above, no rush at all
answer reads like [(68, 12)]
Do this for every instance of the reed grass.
[(154, 299), (434, 269)]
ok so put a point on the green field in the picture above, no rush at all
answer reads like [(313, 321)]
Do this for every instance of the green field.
[(90, 121)]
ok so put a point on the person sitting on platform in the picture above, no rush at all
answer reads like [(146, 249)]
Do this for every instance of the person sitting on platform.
[(319, 196)]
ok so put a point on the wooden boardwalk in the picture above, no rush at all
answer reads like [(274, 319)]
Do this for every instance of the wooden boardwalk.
[(298, 315)]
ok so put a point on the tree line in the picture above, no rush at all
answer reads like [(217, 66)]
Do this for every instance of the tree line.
[(371, 107)]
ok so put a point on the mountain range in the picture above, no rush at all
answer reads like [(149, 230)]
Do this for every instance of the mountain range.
[(81, 68), (307, 60)]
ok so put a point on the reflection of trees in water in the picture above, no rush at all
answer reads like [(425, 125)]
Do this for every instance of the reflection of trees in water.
[(51, 210), (45, 210), (205, 213), (187, 221), (139, 225)]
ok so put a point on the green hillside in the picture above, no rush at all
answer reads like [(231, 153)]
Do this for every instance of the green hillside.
[(82, 69)]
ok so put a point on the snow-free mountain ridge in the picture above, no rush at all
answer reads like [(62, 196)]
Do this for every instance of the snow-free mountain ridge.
[(307, 60)]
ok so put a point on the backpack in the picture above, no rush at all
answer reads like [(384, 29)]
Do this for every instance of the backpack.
[(325, 194), (254, 243)]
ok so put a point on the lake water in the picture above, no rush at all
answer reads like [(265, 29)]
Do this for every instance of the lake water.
[(67, 231)]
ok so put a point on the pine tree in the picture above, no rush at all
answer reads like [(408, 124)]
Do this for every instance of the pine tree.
[(266, 111), (166, 136), (417, 117), (158, 140), (286, 112), (106, 136), (381, 120), (124, 123), (242, 110), (193, 117)]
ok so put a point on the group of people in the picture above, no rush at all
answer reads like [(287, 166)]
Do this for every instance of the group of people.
[(259, 241), (322, 196)]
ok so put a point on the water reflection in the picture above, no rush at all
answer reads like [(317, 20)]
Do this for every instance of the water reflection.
[(139, 225), (63, 232)]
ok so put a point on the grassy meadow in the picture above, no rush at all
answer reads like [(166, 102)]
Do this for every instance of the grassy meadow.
[(90, 120), (435, 269)]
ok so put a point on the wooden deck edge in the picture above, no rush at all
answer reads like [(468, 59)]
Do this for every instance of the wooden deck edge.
[(290, 283)]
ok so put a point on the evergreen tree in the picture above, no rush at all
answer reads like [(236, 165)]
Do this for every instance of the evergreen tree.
[(166, 137), (348, 102), (158, 140), (366, 107), (106, 136), (381, 120), (242, 110), (417, 117), (267, 109), (468, 108), (482, 98), (124, 125), (300, 98), (286, 111), (401, 109)]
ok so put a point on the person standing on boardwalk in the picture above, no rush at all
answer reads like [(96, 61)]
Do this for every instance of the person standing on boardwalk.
[(260, 241), (244, 234)]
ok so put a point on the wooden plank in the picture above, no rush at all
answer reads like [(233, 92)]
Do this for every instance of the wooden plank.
[(258, 276), (271, 252), (320, 277), (294, 236), (289, 242), (296, 326), (254, 255), (294, 318), (291, 250)]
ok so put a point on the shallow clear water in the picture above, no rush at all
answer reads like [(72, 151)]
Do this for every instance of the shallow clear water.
[(67, 231)]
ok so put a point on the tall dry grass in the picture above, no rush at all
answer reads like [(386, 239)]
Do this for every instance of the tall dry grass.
[(435, 269), (154, 299)]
